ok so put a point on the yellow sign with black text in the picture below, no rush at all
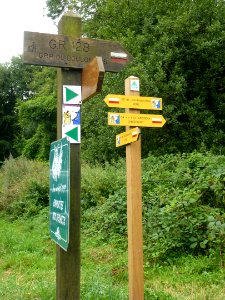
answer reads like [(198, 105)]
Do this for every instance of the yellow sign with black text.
[(136, 102), (141, 120), (127, 137)]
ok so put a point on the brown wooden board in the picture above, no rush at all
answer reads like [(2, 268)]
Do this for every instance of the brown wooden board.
[(65, 51), (92, 78)]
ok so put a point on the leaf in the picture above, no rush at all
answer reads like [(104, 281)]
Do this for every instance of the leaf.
[(192, 239), (211, 218), (193, 245), (211, 224)]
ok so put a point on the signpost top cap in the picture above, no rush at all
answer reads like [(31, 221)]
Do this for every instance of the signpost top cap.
[(70, 13), (133, 77)]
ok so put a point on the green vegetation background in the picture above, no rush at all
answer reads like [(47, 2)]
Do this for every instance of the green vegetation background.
[(183, 222), (178, 51)]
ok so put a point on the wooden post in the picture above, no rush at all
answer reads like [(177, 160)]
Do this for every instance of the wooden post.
[(134, 208), (68, 262)]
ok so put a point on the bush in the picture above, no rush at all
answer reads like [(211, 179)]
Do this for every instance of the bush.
[(183, 205), (100, 182), (181, 192), (183, 201), (24, 186)]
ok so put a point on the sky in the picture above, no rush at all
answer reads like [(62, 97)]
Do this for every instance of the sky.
[(17, 16)]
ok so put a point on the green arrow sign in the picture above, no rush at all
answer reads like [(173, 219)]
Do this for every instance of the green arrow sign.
[(74, 133), (70, 94)]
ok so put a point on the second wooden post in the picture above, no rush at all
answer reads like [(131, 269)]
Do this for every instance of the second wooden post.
[(134, 205)]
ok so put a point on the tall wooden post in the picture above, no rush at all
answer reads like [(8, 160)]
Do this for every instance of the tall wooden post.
[(134, 208), (68, 262)]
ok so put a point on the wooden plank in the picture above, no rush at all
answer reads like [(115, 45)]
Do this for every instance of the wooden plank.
[(134, 210), (68, 262), (92, 78), (72, 52)]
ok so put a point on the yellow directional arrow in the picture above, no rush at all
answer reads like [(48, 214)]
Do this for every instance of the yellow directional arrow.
[(127, 137), (137, 102), (141, 120)]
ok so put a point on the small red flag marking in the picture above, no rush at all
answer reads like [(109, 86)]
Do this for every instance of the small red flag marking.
[(119, 57)]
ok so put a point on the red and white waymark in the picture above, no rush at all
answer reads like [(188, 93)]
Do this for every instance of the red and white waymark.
[(119, 57), (156, 120)]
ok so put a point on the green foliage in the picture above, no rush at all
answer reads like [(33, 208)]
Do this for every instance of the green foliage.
[(7, 114), (183, 201), (24, 187), (18, 83), (27, 269), (37, 119), (183, 218), (100, 182), (27, 259), (178, 55), (98, 139), (180, 193)]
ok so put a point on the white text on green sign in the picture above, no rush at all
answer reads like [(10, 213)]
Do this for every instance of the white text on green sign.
[(60, 192), (141, 120), (127, 137), (137, 102)]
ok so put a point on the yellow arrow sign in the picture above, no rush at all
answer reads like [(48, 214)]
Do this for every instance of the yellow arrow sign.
[(127, 137), (137, 102), (141, 120)]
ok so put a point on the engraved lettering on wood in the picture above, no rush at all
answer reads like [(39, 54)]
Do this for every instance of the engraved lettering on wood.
[(65, 51)]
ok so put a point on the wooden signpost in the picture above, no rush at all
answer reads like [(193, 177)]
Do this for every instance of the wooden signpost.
[(81, 65), (132, 102), (71, 51)]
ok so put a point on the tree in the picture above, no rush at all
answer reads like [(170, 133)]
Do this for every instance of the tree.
[(178, 51), (37, 116), (7, 113)]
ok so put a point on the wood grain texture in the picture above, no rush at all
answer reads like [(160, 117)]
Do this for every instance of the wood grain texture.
[(68, 262), (70, 50), (92, 78), (134, 212)]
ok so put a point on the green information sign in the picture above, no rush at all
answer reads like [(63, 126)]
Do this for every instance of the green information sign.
[(60, 192)]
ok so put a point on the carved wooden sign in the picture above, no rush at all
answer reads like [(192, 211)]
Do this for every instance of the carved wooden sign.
[(65, 51)]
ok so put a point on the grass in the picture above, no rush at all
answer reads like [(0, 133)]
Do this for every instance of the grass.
[(27, 260), (27, 268)]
